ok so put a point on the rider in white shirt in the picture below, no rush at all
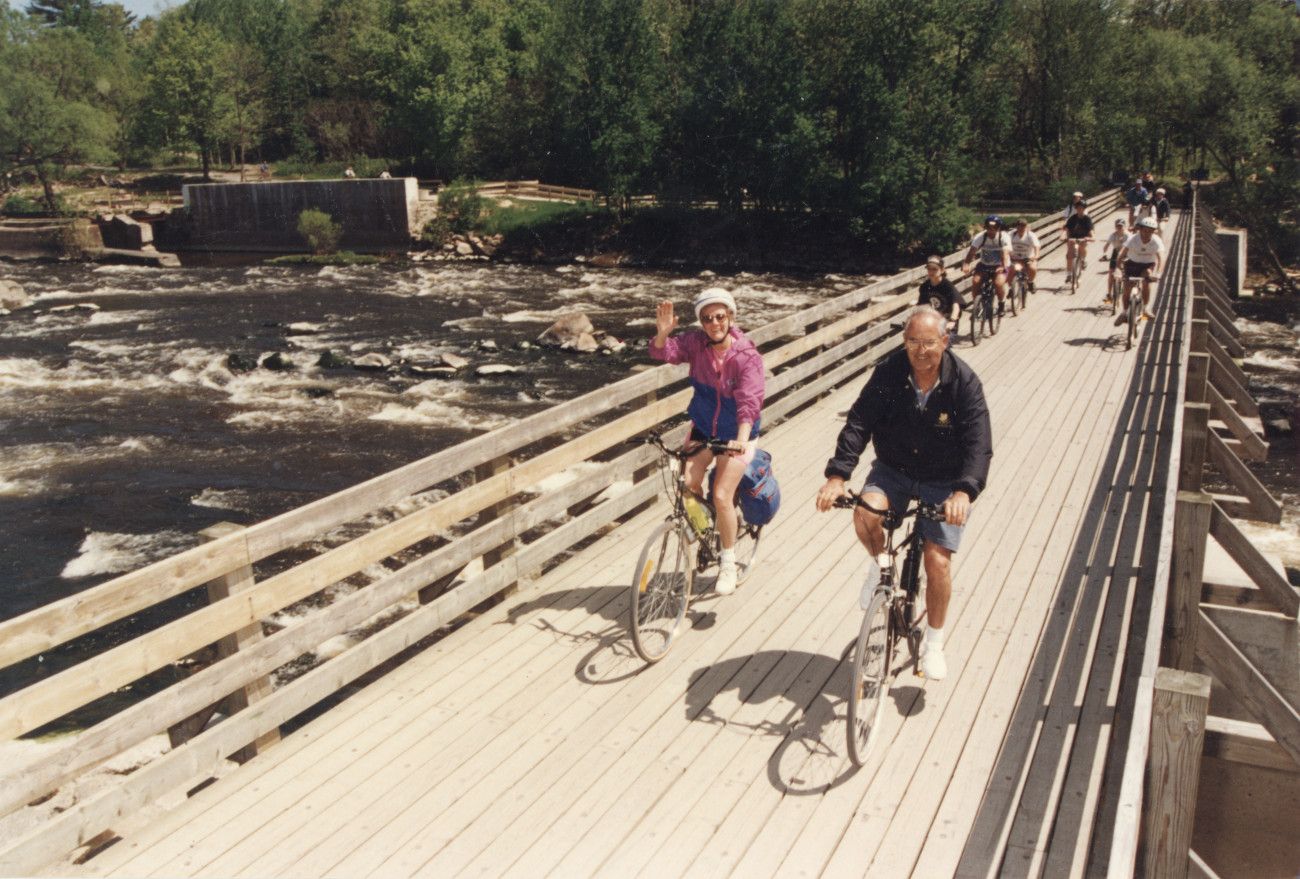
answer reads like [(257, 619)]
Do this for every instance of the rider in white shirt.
[(1143, 257), (993, 246), (1024, 253), (1114, 244)]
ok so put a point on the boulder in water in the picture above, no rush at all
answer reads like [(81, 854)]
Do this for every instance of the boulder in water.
[(455, 361), (238, 362), (372, 361), (12, 295), (277, 361), (330, 360), (568, 330)]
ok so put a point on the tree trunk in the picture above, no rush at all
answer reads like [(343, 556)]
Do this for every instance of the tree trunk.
[(47, 184)]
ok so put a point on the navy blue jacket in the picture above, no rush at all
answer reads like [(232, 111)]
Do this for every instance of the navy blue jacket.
[(949, 443)]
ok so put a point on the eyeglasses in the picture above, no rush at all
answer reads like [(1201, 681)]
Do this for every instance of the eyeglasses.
[(714, 318), (922, 344)]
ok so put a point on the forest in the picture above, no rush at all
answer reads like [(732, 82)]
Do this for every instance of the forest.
[(886, 115)]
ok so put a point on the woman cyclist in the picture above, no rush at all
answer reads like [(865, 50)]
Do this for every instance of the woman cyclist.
[(727, 376)]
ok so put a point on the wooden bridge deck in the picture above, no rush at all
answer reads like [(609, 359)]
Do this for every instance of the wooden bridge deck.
[(531, 742)]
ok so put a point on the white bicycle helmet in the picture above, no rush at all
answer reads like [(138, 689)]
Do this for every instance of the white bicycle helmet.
[(1148, 223), (714, 296)]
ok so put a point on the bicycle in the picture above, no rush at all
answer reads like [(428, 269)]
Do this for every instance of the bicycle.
[(1074, 246), (665, 572), (1018, 295), (889, 599), (1134, 307), (1116, 291), (984, 315)]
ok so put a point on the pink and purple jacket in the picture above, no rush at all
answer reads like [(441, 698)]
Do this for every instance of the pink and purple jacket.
[(722, 399)]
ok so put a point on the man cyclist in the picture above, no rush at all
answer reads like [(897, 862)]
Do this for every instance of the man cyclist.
[(993, 247), (1077, 232), (939, 293), (727, 375), (1134, 197), (923, 410), (1143, 257), (1024, 253), (1114, 244)]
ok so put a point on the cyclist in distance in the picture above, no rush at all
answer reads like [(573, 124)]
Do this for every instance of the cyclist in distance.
[(1024, 253), (1143, 257), (993, 246), (940, 294), (726, 372), (1077, 228), (1162, 210), (1114, 244), (1134, 197), (923, 411)]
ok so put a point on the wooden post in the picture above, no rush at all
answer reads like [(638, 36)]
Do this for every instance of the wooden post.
[(1198, 377), (1187, 572), (1196, 436), (237, 581), (1180, 704), (651, 470), (482, 473)]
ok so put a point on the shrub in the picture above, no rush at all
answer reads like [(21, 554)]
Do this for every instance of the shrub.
[(319, 230), (20, 205)]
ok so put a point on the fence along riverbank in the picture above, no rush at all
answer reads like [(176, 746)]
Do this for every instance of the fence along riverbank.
[(248, 576)]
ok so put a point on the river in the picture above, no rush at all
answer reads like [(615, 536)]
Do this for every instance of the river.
[(125, 431)]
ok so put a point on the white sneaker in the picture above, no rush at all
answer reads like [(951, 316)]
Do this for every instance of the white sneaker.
[(869, 584), (931, 663), (726, 582)]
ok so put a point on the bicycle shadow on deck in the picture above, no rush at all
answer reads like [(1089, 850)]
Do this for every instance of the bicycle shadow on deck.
[(800, 698), (610, 657)]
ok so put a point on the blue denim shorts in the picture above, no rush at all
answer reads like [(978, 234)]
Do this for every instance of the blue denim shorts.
[(900, 489)]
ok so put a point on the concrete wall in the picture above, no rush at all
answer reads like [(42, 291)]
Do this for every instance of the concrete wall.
[(376, 215)]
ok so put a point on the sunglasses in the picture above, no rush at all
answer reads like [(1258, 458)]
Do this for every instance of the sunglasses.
[(714, 318)]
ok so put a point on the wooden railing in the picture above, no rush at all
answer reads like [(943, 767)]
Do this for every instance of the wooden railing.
[(238, 577), (534, 189), (1162, 715)]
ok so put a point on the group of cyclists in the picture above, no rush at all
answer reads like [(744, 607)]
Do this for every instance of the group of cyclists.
[(922, 409)]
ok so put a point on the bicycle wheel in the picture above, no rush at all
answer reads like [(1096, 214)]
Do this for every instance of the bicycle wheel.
[(747, 538), (994, 317), (1116, 295), (1022, 291), (661, 591), (1074, 278), (975, 323), (1134, 315), (870, 680), (1011, 298)]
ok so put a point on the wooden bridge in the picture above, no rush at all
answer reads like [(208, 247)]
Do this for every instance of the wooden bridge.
[(500, 724)]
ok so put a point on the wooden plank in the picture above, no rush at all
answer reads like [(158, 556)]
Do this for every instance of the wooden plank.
[(1240, 741), (1182, 700), (1196, 437), (1226, 662), (1191, 530), (1231, 382), (1253, 445), (60, 621), (1264, 506)]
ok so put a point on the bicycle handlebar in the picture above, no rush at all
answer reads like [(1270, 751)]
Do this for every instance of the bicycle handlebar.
[(916, 507), (714, 445)]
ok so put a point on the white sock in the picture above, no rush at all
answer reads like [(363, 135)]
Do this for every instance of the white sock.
[(933, 636), (727, 557)]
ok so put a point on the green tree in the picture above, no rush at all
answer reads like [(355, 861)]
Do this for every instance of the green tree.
[(48, 91), (188, 103)]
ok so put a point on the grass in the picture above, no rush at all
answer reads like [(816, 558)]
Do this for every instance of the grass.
[(346, 258), (516, 215)]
